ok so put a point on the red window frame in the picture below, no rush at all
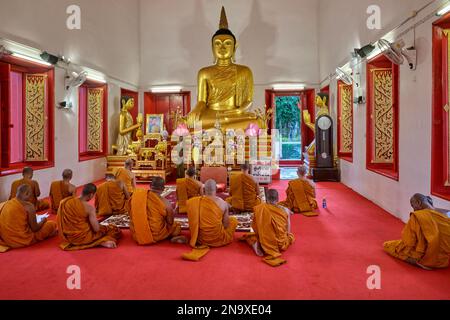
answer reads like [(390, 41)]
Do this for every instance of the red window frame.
[(390, 170), (347, 156), (89, 155), (440, 186), (13, 64)]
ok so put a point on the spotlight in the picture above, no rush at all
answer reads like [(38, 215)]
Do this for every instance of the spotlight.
[(49, 58), (365, 51), (65, 105), (4, 51)]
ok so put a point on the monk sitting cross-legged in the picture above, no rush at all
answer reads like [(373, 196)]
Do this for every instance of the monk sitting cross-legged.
[(425, 239), (61, 189), (272, 230), (300, 195), (127, 176), (111, 197), (244, 191), (152, 216), (18, 223), (188, 188), (27, 179), (209, 222), (78, 225)]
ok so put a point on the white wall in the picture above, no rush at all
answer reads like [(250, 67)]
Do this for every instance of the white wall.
[(107, 41), (278, 40), (415, 104)]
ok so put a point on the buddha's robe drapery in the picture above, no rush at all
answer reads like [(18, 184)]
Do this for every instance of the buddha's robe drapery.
[(425, 239), (110, 199), (39, 204), (270, 230), (126, 177), (187, 188), (15, 231), (300, 198), (76, 231), (59, 190), (244, 192), (148, 223)]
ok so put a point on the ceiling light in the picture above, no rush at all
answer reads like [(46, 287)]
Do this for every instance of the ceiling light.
[(444, 10), (288, 86), (166, 89), (31, 59)]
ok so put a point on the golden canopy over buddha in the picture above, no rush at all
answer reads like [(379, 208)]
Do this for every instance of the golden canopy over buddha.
[(225, 89)]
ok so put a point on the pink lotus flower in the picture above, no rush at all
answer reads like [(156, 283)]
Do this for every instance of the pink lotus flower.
[(252, 130), (181, 131)]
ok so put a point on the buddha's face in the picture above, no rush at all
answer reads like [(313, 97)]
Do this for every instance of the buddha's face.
[(129, 104), (223, 46)]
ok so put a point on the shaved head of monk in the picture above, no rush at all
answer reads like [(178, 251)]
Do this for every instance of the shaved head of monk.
[(210, 187), (27, 172), (157, 184), (421, 202), (109, 176), (89, 191), (302, 171), (245, 167), (67, 174), (129, 163), (23, 192), (272, 196), (190, 172)]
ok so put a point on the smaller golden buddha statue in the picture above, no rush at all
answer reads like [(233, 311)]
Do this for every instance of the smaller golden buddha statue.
[(126, 127)]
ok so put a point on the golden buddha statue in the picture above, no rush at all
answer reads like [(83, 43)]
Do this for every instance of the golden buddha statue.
[(124, 139), (225, 89)]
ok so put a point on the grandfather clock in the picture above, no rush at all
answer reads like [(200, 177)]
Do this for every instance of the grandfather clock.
[(325, 170)]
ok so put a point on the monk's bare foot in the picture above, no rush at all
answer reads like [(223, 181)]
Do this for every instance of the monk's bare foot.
[(179, 239), (415, 263), (257, 249), (109, 244)]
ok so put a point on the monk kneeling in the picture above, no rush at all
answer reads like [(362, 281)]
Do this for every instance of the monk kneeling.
[(209, 222), (62, 189), (426, 237), (27, 179), (78, 225), (244, 191), (18, 224), (272, 230), (111, 197), (127, 176), (300, 195), (152, 216), (188, 188)]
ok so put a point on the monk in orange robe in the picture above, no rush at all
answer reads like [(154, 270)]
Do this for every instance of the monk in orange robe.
[(244, 191), (272, 230), (111, 197), (27, 179), (127, 176), (61, 189), (425, 239), (209, 222), (152, 217), (188, 188), (18, 223), (300, 195), (78, 225)]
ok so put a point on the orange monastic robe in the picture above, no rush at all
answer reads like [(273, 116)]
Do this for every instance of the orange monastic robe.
[(59, 190), (110, 199), (126, 177), (270, 226), (39, 204), (187, 188), (425, 238), (149, 218), (244, 192), (75, 229), (300, 198), (15, 231)]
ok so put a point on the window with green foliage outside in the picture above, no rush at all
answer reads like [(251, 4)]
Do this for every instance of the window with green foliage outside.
[(288, 123)]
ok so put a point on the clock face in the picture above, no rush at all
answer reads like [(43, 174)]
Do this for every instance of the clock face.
[(324, 123)]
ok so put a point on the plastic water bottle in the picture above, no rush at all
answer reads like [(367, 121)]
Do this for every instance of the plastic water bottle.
[(324, 203)]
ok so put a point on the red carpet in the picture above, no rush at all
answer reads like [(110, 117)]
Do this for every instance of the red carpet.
[(328, 261)]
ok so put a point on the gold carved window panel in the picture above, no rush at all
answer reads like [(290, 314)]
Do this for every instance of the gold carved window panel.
[(346, 118), (382, 115), (35, 117), (94, 119)]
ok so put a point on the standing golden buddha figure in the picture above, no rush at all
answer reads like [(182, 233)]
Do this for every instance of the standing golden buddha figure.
[(225, 89), (126, 127)]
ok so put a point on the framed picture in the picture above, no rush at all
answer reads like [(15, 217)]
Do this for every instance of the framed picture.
[(155, 123)]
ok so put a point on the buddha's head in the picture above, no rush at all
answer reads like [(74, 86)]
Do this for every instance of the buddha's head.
[(127, 103), (223, 41), (322, 100)]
